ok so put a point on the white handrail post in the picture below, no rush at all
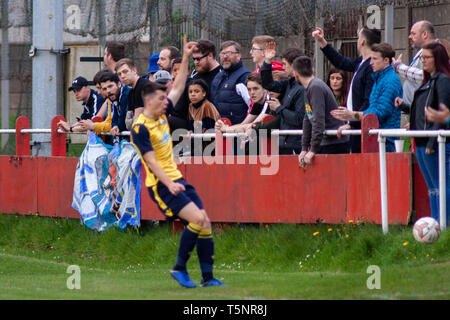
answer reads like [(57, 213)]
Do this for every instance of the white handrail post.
[(442, 184), (383, 183)]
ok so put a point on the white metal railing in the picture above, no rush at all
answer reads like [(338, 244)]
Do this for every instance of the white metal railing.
[(441, 135), (382, 135)]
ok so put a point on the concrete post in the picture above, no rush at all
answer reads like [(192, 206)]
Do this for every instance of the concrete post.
[(389, 24), (318, 55), (47, 70), (5, 72)]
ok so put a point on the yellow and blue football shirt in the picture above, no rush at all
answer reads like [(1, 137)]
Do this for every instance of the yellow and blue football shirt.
[(154, 135)]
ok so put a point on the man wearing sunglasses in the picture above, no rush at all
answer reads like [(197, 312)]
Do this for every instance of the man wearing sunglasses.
[(206, 68)]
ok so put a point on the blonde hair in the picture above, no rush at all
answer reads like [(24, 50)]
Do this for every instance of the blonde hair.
[(262, 41)]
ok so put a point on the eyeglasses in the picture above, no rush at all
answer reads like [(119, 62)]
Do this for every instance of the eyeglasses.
[(256, 49), (199, 58), (426, 57), (228, 53)]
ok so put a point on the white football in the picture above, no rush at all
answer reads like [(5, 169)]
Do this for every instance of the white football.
[(426, 230)]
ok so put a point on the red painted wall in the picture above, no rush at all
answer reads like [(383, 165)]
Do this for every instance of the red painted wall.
[(334, 189)]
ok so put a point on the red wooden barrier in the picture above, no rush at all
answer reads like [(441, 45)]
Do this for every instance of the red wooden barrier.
[(369, 143), (362, 179), (23, 147), (331, 190), (58, 139), (18, 185), (55, 186)]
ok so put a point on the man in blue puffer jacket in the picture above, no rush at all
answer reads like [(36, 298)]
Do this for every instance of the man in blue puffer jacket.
[(387, 86)]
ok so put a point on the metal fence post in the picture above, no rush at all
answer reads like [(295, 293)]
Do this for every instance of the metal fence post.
[(383, 183), (442, 184)]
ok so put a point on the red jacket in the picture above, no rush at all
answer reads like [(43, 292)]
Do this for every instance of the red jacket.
[(276, 66)]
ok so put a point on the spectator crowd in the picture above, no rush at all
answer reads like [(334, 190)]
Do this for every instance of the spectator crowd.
[(221, 94)]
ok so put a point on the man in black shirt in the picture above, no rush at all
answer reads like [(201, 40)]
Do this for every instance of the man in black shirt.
[(206, 68), (127, 72)]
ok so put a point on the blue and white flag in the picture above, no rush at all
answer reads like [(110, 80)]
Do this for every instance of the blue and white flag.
[(107, 185)]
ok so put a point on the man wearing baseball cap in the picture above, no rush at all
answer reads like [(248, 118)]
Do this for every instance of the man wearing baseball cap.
[(90, 99), (163, 77)]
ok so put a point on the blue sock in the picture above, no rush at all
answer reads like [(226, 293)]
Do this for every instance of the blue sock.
[(205, 252), (187, 243)]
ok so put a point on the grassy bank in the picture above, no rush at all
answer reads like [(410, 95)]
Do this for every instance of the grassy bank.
[(273, 262)]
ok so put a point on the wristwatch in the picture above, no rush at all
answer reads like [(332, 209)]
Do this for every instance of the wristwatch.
[(356, 115), (71, 129)]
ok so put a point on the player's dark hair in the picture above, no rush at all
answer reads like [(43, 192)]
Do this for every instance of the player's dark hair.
[(150, 88)]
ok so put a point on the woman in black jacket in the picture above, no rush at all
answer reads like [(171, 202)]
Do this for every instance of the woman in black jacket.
[(434, 91)]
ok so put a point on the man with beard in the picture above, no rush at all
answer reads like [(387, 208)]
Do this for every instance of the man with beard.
[(228, 90), (117, 105), (206, 68)]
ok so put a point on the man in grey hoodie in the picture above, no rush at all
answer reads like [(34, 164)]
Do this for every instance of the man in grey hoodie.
[(320, 101)]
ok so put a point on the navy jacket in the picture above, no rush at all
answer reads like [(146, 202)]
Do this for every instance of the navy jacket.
[(224, 96), (93, 106), (120, 109), (362, 83)]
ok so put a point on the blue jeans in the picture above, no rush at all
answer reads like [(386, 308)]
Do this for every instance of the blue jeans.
[(429, 165)]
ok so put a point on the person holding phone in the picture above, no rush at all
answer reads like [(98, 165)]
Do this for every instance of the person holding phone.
[(91, 100)]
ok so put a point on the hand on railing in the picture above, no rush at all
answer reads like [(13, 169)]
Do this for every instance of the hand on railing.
[(87, 125), (64, 126), (342, 128), (220, 126), (115, 131)]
